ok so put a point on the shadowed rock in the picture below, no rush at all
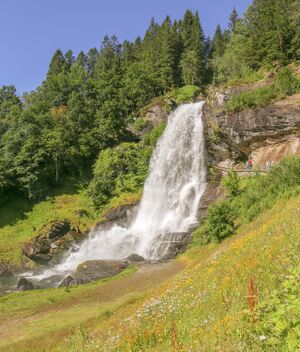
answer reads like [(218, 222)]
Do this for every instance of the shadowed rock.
[(50, 245), (135, 258), (168, 246), (24, 285), (93, 270)]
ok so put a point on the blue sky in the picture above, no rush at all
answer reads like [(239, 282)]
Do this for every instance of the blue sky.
[(31, 30)]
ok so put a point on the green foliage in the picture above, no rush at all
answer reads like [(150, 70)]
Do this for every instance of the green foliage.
[(258, 194), (266, 36), (231, 183), (192, 63), (219, 223), (285, 84), (278, 325), (122, 169), (261, 192), (86, 103), (252, 99), (185, 94)]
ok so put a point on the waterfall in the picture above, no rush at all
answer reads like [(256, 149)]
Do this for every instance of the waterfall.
[(170, 200)]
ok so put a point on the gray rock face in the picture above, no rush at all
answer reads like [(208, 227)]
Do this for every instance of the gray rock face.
[(168, 246), (234, 136), (135, 258), (24, 285), (156, 115), (68, 281), (93, 270), (49, 246)]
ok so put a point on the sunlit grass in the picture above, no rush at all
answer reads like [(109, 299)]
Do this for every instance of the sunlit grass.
[(209, 302)]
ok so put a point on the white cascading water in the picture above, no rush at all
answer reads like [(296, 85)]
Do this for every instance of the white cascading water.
[(170, 200)]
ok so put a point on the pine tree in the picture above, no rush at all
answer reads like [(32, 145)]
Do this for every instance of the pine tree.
[(166, 53), (69, 59), (92, 57), (57, 63), (233, 19), (81, 59), (193, 57)]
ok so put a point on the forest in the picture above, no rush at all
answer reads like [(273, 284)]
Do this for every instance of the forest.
[(68, 127)]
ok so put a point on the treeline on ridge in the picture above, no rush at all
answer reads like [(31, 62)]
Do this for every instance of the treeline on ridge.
[(86, 103)]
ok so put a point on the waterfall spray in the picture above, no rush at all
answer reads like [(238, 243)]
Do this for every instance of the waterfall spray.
[(170, 200)]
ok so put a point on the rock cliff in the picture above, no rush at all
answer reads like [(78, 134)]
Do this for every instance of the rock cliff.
[(267, 133)]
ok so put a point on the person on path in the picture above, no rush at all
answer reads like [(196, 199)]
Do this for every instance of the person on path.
[(250, 164)]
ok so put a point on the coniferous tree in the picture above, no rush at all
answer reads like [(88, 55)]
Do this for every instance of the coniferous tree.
[(193, 57), (81, 59), (57, 63), (233, 19), (69, 59), (92, 57), (165, 55)]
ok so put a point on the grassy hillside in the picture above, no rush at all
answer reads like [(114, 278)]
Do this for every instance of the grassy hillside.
[(22, 220), (214, 304), (38, 320)]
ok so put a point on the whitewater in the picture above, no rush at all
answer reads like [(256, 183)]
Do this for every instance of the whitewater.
[(170, 200)]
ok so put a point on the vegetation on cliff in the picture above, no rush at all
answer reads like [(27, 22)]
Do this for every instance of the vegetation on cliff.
[(80, 145), (250, 197)]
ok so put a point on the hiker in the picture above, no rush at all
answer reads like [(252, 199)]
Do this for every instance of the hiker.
[(250, 164), (267, 165)]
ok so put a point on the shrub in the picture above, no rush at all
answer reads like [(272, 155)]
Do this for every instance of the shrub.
[(219, 223), (258, 194), (231, 183), (261, 192), (252, 99), (122, 169), (285, 84), (185, 94)]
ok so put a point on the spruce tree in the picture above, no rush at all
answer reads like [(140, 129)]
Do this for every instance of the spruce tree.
[(233, 19), (57, 63), (193, 57), (81, 59), (69, 59), (166, 55)]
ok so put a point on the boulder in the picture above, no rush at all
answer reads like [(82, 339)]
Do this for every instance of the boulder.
[(169, 245), (135, 258), (68, 281), (24, 285), (93, 270), (51, 243)]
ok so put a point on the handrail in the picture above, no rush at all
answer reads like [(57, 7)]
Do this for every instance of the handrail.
[(223, 168)]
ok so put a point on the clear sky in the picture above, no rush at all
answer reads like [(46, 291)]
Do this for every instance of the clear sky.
[(31, 30)]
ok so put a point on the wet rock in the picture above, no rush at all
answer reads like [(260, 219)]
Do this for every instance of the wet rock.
[(68, 281), (93, 270), (51, 281), (135, 258), (121, 214), (50, 244), (168, 246), (24, 285)]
